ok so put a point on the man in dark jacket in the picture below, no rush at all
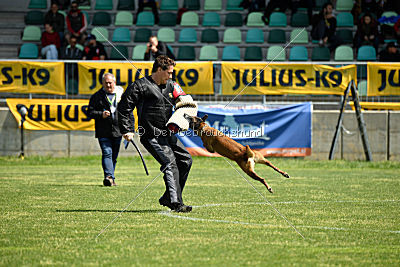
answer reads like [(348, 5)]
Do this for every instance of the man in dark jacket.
[(55, 19), (102, 108), (155, 48), (324, 28), (76, 24), (154, 98), (94, 50)]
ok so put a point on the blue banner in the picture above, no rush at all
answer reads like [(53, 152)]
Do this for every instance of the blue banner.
[(284, 131)]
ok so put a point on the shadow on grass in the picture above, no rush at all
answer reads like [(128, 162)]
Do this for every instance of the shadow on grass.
[(133, 211)]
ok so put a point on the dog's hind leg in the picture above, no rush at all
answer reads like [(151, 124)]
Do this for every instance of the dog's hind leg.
[(259, 158), (248, 168)]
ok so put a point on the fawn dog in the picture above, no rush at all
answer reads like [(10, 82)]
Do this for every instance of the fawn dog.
[(216, 141)]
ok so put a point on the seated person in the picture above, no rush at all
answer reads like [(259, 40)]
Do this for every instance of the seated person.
[(367, 32), (156, 48), (76, 24), (72, 51), (390, 54), (148, 3), (56, 19), (94, 50), (50, 43)]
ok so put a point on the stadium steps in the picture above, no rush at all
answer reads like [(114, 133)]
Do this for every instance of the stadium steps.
[(12, 25)]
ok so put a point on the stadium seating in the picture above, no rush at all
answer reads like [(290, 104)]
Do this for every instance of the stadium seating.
[(31, 33), (366, 53), (121, 35), (169, 5), (276, 53), (186, 53), (124, 18), (29, 51), (102, 36), (362, 88), (231, 53), (233, 19), (188, 35), (345, 35), (277, 19), (276, 36), (320, 54), (126, 5), (233, 5), (212, 5), (167, 19), (345, 19), (84, 13), (115, 55), (191, 4), (145, 18), (209, 36), (208, 52), (138, 52), (344, 53), (344, 5), (299, 20), (211, 19), (320, 3), (299, 36), (142, 35), (72, 86), (253, 53), (166, 35), (190, 19), (34, 17), (39, 4), (255, 36), (254, 20), (232, 35), (298, 53), (101, 18), (104, 5)]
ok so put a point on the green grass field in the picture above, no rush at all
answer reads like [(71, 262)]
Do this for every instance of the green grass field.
[(53, 208)]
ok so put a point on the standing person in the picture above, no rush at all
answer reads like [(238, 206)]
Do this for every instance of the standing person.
[(153, 96), (156, 48), (50, 43), (102, 108), (324, 27), (76, 24), (55, 19)]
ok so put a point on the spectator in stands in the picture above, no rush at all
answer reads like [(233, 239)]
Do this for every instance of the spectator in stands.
[(272, 5), (72, 51), (396, 28), (94, 50), (148, 3), (103, 109), (324, 27), (50, 43), (62, 4), (367, 32), (76, 23), (390, 54), (156, 48), (55, 19)]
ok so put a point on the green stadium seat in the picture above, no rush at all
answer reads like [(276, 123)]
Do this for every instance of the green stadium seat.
[(121, 35), (320, 3), (363, 88), (276, 53), (299, 36), (166, 35), (299, 20), (142, 35), (345, 19), (211, 19), (145, 18), (104, 5), (344, 5), (31, 33), (232, 35), (208, 52), (190, 19), (34, 17), (253, 53), (191, 4), (83, 7), (126, 5), (138, 52), (209, 36), (169, 5), (188, 35), (344, 53), (231, 53), (233, 19), (37, 4), (186, 53), (320, 54), (277, 19), (277, 36), (115, 55), (167, 19), (84, 13), (101, 18), (212, 5), (345, 35), (389, 14), (366, 53), (298, 53), (124, 18), (233, 5), (255, 36), (101, 34), (28, 51), (254, 20)]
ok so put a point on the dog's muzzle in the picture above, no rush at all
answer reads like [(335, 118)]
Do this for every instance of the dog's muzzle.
[(184, 105)]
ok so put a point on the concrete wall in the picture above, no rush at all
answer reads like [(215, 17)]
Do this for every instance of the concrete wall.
[(76, 143)]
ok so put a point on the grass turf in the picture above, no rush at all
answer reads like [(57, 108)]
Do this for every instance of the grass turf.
[(53, 208)]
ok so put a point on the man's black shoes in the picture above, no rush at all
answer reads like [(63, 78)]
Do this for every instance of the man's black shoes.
[(165, 203), (182, 208)]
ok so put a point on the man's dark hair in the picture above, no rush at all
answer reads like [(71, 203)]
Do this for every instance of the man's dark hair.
[(326, 5), (162, 62)]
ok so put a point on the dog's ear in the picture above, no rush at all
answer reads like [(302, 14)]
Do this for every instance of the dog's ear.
[(187, 117), (204, 118)]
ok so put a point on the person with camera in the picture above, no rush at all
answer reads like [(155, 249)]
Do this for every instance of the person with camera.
[(324, 27), (156, 48)]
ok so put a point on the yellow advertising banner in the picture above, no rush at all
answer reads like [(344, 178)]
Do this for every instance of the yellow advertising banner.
[(34, 77), (194, 78), (383, 79), (378, 105), (278, 79), (55, 114)]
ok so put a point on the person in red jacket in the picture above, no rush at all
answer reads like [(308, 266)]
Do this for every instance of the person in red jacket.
[(76, 24), (50, 43)]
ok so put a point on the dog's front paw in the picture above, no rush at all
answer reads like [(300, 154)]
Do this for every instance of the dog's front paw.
[(286, 175), (270, 190)]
